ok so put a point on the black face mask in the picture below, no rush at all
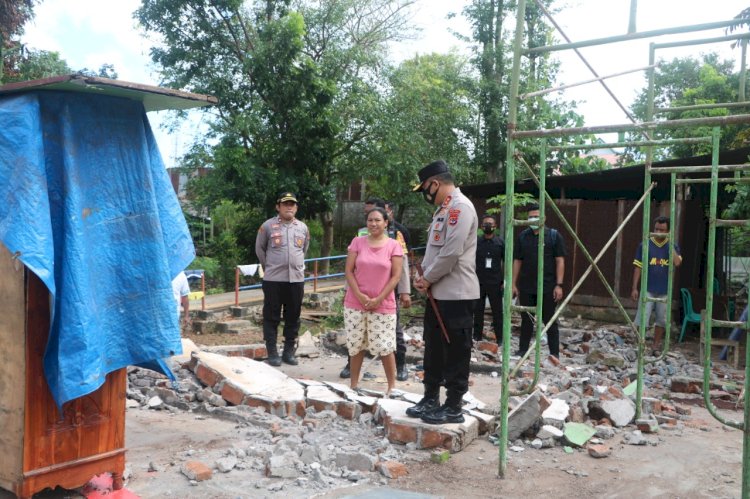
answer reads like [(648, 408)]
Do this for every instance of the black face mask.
[(428, 196), (488, 229)]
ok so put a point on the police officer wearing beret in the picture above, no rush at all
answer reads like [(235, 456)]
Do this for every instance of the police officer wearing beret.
[(450, 276), (281, 245)]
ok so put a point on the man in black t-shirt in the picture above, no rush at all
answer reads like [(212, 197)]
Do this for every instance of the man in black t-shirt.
[(490, 255), (525, 257)]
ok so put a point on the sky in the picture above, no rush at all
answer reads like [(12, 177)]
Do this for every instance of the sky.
[(89, 33)]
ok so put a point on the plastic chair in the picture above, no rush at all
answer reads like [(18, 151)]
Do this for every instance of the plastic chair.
[(690, 315)]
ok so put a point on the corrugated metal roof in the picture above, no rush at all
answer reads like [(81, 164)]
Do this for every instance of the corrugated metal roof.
[(153, 98)]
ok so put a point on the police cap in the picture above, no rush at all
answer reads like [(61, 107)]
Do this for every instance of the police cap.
[(434, 168), (286, 196)]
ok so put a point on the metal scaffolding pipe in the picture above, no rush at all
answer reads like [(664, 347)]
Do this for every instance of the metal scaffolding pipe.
[(634, 36), (578, 84), (637, 143), (737, 119)]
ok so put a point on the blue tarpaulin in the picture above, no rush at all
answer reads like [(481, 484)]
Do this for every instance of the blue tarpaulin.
[(87, 205)]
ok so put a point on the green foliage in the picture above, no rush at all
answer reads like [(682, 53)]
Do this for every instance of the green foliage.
[(336, 319), (686, 82), (211, 268), (501, 201), (32, 65)]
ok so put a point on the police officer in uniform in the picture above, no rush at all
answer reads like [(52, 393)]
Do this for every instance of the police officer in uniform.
[(281, 245), (450, 275), (490, 255)]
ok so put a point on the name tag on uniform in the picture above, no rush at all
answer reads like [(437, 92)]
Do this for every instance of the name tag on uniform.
[(488, 263)]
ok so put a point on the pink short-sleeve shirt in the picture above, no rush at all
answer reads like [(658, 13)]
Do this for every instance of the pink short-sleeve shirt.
[(372, 270)]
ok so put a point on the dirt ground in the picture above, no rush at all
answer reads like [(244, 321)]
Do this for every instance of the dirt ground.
[(703, 459)]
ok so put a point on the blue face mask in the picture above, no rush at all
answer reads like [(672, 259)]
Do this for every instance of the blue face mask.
[(534, 226)]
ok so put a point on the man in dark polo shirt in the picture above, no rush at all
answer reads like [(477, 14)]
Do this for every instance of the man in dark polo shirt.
[(490, 255), (525, 257)]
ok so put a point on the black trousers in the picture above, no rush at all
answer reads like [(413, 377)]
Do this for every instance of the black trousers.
[(278, 297), (495, 294), (527, 327), (400, 343), (448, 361)]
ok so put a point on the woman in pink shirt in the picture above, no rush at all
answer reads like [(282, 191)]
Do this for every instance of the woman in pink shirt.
[(373, 269)]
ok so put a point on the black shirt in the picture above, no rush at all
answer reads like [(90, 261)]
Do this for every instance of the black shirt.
[(490, 251), (526, 251)]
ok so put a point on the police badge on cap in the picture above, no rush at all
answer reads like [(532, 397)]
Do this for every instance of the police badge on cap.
[(434, 168), (287, 196)]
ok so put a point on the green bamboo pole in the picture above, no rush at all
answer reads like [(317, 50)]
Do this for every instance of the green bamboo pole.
[(509, 212)]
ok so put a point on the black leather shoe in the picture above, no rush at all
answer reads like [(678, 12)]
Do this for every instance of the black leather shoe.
[(346, 372), (274, 359), (423, 406), (401, 373), (444, 414), (289, 358)]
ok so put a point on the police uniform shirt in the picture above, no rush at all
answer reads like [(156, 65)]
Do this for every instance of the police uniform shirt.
[(281, 249), (526, 250), (490, 256), (449, 260)]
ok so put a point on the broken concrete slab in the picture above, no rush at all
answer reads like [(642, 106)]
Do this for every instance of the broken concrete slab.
[(578, 433), (323, 398), (526, 414), (609, 359), (242, 381), (399, 428), (549, 431), (556, 413), (620, 411)]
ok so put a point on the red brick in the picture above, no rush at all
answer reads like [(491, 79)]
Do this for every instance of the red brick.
[(615, 390), (431, 439), (232, 394), (685, 385), (196, 470), (400, 433), (253, 402), (585, 347), (348, 410), (208, 376), (486, 346), (392, 469), (685, 411), (599, 451)]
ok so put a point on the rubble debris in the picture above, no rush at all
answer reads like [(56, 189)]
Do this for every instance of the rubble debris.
[(578, 433)]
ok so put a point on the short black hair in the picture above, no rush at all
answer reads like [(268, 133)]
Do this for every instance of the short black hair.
[(446, 178), (379, 210), (661, 220), (487, 215), (389, 204), (376, 201), (532, 207)]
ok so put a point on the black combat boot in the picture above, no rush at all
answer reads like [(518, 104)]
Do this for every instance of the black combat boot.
[(444, 414), (427, 404), (273, 354), (401, 373), (288, 355)]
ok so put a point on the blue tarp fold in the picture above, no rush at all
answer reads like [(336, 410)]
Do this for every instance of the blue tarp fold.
[(87, 205)]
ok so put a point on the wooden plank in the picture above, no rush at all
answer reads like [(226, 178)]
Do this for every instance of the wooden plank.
[(12, 368)]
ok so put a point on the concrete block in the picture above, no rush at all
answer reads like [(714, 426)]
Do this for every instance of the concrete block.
[(356, 461), (233, 326), (619, 411), (306, 346), (238, 312), (525, 415), (556, 413), (609, 359)]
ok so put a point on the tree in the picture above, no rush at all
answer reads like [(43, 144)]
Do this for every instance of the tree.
[(429, 112), (493, 47), (297, 89), (685, 82)]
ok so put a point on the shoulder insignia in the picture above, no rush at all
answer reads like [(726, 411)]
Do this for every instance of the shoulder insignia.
[(453, 216), (447, 200)]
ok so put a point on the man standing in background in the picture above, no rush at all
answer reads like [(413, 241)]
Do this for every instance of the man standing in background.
[(281, 245)]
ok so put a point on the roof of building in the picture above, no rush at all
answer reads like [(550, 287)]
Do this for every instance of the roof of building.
[(153, 98), (615, 183)]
